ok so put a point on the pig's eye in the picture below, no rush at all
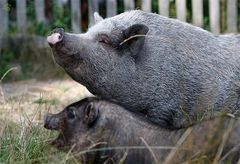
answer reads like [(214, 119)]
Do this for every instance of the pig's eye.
[(71, 113), (103, 39)]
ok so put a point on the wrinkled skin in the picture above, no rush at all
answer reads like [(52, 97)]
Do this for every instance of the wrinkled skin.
[(169, 71), (95, 124)]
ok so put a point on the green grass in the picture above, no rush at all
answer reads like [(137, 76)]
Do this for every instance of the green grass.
[(29, 59), (23, 144)]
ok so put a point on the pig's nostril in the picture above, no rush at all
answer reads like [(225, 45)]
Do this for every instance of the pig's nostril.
[(45, 125), (46, 121), (54, 38)]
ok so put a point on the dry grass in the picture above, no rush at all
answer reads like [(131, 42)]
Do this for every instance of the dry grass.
[(22, 107), (33, 99)]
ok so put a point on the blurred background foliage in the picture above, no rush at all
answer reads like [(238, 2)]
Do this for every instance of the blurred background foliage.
[(33, 60)]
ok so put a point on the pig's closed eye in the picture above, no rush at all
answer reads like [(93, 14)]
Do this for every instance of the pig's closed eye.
[(103, 39)]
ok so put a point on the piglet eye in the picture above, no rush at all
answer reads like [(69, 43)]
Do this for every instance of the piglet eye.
[(71, 113)]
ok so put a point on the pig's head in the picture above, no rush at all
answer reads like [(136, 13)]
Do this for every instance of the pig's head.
[(108, 50), (73, 122), (82, 126)]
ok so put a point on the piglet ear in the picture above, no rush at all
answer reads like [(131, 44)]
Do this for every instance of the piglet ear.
[(97, 17), (134, 38), (90, 114)]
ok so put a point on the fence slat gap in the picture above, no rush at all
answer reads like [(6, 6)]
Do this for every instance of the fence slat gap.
[(76, 16), (21, 16), (197, 12), (214, 10), (181, 9), (163, 8), (232, 16)]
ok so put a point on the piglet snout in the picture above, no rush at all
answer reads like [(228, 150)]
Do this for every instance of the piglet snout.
[(55, 36), (51, 122)]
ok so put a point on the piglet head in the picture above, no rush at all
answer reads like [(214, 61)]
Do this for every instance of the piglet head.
[(72, 123)]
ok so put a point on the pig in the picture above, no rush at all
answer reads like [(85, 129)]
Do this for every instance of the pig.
[(173, 73), (98, 131)]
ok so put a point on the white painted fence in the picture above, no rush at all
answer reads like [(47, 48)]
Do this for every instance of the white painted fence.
[(111, 10)]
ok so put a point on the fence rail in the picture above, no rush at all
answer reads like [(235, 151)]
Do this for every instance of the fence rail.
[(111, 10)]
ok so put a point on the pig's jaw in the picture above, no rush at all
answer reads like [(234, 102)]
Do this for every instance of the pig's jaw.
[(58, 142)]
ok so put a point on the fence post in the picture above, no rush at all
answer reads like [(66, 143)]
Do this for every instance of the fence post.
[(39, 10), (21, 16), (92, 7), (111, 8), (232, 15), (146, 5), (129, 5), (59, 3), (181, 9), (197, 11), (76, 16), (3, 17), (214, 16), (163, 8)]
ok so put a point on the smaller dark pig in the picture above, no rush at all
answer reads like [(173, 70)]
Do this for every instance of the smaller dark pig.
[(100, 131)]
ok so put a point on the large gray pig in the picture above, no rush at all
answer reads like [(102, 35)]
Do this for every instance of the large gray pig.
[(98, 131), (171, 72)]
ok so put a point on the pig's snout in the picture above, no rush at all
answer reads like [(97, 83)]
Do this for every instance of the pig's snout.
[(51, 122), (56, 36)]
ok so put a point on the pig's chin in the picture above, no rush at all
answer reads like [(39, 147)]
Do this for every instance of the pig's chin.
[(59, 142)]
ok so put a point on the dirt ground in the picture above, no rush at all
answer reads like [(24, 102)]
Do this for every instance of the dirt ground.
[(31, 100)]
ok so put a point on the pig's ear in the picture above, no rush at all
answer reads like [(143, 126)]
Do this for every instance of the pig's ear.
[(134, 38), (90, 114), (97, 17)]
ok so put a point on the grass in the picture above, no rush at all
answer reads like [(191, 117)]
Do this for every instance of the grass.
[(27, 142), (23, 144), (29, 57), (23, 138)]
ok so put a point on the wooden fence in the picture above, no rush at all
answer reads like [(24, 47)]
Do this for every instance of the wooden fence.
[(111, 10)]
